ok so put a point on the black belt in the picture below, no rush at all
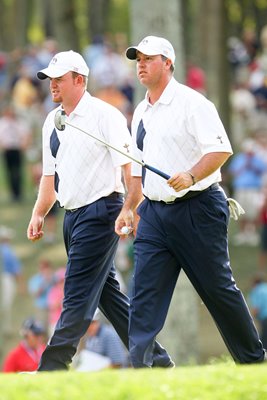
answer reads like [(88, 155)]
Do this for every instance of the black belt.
[(114, 195), (191, 194)]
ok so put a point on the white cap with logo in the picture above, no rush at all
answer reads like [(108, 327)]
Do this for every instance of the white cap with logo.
[(152, 46), (62, 63)]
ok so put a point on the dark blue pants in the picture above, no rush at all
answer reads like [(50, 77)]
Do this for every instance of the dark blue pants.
[(192, 235), (91, 243)]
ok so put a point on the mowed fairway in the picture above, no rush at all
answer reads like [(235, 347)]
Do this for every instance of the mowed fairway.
[(215, 382)]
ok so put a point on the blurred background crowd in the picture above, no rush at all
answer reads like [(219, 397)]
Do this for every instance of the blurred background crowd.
[(38, 275)]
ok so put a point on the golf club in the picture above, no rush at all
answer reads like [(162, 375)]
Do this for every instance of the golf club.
[(60, 123)]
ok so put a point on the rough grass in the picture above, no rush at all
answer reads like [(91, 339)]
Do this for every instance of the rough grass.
[(215, 382)]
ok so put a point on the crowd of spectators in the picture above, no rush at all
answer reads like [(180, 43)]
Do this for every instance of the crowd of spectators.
[(247, 169)]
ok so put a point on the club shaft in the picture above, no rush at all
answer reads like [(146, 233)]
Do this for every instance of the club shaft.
[(149, 167)]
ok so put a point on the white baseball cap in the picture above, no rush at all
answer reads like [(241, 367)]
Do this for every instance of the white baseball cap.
[(152, 46), (62, 63)]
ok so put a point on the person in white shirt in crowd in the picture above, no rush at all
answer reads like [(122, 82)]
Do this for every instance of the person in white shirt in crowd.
[(102, 348), (15, 138)]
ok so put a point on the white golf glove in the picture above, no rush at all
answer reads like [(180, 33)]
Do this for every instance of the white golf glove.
[(235, 208)]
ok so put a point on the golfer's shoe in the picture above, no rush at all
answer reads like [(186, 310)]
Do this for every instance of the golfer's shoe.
[(172, 364)]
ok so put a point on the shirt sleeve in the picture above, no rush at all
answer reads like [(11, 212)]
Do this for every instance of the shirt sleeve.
[(209, 131), (116, 133)]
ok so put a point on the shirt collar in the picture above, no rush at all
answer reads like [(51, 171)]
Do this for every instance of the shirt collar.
[(82, 107), (167, 94)]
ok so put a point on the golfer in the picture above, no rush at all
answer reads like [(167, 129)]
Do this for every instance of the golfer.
[(183, 221), (85, 177)]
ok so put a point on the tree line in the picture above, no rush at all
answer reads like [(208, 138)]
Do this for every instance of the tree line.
[(73, 23)]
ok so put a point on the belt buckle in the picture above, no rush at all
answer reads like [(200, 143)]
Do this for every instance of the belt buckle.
[(170, 202)]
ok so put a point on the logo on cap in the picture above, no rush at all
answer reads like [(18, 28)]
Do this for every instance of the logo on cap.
[(54, 60), (144, 41)]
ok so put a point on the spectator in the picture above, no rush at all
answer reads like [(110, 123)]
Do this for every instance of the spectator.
[(109, 93), (55, 299), (247, 170), (39, 286), (243, 105), (24, 92), (48, 49), (110, 65), (26, 355), (15, 136), (3, 73), (258, 303), (94, 51), (124, 263), (11, 277), (102, 340), (195, 78)]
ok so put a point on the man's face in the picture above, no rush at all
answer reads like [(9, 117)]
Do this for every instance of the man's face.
[(61, 88), (33, 340), (150, 69)]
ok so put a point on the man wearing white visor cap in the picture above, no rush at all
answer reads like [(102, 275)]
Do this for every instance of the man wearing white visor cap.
[(85, 177), (181, 222)]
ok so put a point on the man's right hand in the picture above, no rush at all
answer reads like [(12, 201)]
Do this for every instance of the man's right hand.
[(35, 228)]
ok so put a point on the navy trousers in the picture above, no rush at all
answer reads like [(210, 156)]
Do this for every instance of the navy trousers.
[(90, 282), (192, 235)]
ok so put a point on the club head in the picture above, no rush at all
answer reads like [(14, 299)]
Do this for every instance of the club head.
[(59, 120)]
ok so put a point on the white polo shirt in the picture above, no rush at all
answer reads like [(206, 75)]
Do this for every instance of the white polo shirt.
[(87, 170), (181, 127)]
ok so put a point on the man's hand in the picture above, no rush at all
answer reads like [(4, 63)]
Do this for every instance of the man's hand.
[(45, 200), (129, 219), (35, 228), (125, 218), (180, 181)]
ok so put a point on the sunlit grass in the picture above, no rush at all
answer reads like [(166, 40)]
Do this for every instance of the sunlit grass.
[(214, 382)]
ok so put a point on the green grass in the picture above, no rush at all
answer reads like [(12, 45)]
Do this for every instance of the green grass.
[(214, 382)]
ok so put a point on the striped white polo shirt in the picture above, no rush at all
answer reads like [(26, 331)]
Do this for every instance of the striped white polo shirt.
[(85, 169), (181, 127)]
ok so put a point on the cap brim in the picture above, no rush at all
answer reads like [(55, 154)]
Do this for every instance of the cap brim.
[(51, 73), (131, 53)]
